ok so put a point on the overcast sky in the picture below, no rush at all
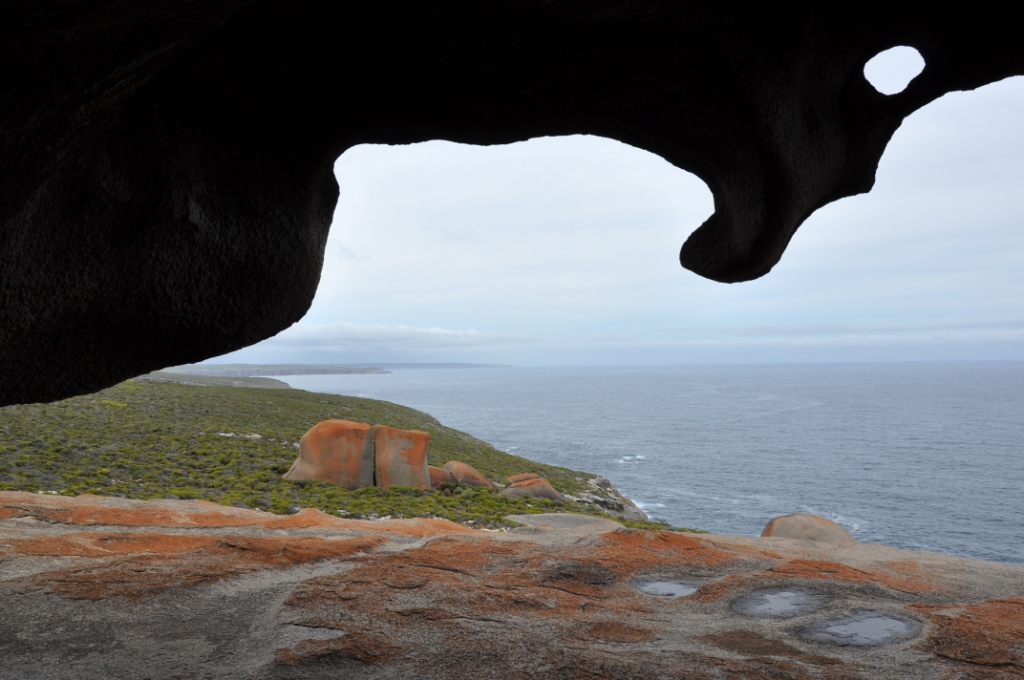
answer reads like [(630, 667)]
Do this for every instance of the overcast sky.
[(564, 251)]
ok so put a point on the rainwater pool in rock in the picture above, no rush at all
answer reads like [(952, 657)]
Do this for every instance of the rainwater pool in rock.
[(665, 587), (780, 603), (863, 629)]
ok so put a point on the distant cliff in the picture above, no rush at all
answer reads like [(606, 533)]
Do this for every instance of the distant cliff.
[(250, 370)]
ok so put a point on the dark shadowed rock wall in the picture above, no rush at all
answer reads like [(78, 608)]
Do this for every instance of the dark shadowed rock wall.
[(166, 179)]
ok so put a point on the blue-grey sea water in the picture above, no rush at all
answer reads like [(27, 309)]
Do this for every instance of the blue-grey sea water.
[(915, 455)]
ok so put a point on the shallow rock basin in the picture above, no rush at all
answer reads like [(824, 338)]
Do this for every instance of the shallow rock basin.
[(863, 629), (780, 603), (665, 587)]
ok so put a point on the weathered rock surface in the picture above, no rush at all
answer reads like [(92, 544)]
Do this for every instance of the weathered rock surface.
[(609, 500), (803, 526), (467, 474), (95, 588), (533, 488), (522, 477), (439, 476), (401, 457), (166, 167), (337, 451)]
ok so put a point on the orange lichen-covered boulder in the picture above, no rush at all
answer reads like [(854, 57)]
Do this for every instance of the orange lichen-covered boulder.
[(401, 457), (523, 477), (338, 451), (537, 487), (466, 474), (439, 476), (808, 528)]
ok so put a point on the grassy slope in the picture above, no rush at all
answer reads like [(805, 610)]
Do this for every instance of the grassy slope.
[(151, 440)]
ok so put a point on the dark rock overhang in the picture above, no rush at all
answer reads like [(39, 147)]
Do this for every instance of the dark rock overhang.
[(166, 167)]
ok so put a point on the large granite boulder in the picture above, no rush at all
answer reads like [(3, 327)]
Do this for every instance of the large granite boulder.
[(401, 458), (807, 527), (533, 488), (439, 476), (338, 451), (467, 474)]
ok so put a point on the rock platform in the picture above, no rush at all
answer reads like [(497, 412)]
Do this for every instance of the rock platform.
[(98, 587)]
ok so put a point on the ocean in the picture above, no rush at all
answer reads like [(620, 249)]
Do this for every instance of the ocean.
[(915, 455)]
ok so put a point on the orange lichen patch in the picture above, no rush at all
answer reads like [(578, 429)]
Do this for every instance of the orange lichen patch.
[(628, 551), (451, 553), (89, 510), (140, 565), (906, 577), (56, 546), (422, 527), (9, 512), (92, 510), (903, 579), (989, 633), (585, 578), (709, 592), (616, 631), (455, 580), (367, 649), (748, 643)]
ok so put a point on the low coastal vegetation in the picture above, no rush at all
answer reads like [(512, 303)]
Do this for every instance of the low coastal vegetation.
[(231, 445)]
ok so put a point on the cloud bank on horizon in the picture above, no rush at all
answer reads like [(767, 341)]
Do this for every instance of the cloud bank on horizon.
[(564, 251)]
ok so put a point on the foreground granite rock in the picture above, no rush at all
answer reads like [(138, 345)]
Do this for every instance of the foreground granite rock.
[(95, 587)]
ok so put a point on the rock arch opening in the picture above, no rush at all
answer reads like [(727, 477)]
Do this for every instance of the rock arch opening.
[(892, 70)]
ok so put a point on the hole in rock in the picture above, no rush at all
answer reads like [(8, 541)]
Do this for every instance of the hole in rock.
[(863, 629), (665, 587), (891, 71), (780, 603)]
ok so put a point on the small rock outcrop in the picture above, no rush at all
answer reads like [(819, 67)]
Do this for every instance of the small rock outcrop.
[(536, 487), (337, 451), (467, 474), (522, 477), (439, 476), (807, 527), (608, 499), (401, 458)]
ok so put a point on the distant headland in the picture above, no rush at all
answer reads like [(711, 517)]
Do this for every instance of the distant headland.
[(252, 370)]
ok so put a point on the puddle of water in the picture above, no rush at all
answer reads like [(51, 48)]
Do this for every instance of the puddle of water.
[(780, 603), (863, 629), (665, 587)]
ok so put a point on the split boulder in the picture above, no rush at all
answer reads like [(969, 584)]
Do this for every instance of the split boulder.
[(467, 474), (537, 487), (807, 527), (337, 451), (401, 457)]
